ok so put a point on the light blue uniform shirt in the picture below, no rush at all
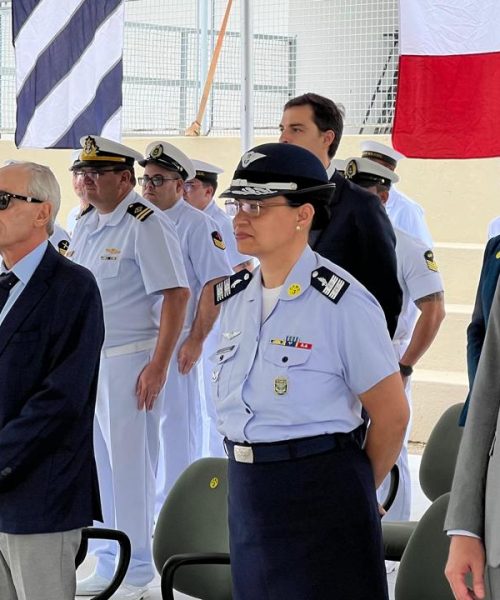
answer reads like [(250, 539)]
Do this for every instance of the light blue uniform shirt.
[(300, 372), (23, 270)]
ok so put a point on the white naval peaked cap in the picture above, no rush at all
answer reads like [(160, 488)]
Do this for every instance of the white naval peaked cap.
[(99, 152), (364, 170), (169, 157), (371, 149), (338, 163), (204, 167)]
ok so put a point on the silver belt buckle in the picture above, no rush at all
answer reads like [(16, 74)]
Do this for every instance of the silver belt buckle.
[(243, 454)]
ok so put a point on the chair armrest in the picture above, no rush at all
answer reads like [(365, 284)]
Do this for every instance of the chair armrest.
[(100, 533), (179, 560), (393, 488)]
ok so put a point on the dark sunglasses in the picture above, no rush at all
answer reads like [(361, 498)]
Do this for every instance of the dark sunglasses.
[(6, 197)]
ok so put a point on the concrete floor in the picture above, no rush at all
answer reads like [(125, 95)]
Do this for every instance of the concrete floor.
[(419, 505)]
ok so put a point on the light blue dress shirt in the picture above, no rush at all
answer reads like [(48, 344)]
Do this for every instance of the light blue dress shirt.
[(23, 270), (299, 373)]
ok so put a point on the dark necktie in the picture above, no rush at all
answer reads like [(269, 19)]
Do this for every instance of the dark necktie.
[(7, 282)]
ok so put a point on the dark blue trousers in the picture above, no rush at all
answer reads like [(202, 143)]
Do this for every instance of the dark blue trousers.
[(306, 529)]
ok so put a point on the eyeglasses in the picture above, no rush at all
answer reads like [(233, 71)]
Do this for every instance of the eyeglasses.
[(6, 197), (250, 207), (94, 175), (189, 186), (155, 181)]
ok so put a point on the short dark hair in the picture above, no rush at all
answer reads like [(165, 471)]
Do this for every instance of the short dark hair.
[(213, 183), (326, 114)]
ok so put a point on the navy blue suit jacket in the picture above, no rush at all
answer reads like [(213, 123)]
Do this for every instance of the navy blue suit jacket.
[(50, 344), (360, 239), (476, 330)]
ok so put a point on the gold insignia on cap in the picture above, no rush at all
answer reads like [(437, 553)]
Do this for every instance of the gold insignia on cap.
[(90, 149), (294, 289), (214, 482), (431, 263), (157, 151), (280, 385), (351, 169)]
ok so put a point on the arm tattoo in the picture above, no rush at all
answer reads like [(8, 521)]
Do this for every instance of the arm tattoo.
[(436, 297)]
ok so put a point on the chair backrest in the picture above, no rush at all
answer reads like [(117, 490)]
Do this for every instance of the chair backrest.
[(440, 454), (194, 519), (421, 571)]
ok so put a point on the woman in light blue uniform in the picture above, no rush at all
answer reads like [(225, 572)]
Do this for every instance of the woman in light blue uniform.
[(303, 347)]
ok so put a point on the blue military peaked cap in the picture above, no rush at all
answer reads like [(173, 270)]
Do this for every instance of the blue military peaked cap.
[(287, 170)]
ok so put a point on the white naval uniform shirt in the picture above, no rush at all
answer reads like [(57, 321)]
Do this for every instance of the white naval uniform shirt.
[(225, 225), (404, 213), (417, 277), (299, 373), (133, 261), (204, 257)]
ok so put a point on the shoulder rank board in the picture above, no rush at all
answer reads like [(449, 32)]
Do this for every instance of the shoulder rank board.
[(231, 286), (85, 212), (139, 211), (330, 285)]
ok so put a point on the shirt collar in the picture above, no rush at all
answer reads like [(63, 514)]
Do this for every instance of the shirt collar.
[(117, 214), (24, 268), (297, 282), (174, 211), (330, 170)]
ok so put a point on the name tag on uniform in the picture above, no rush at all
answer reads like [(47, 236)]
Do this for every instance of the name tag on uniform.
[(243, 454)]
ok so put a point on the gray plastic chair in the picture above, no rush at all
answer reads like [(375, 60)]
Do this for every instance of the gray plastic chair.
[(421, 571), (435, 474), (191, 539)]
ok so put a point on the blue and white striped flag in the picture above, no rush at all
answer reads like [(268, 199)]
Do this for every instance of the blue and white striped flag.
[(69, 70)]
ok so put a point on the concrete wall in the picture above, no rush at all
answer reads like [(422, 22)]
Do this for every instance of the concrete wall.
[(459, 197)]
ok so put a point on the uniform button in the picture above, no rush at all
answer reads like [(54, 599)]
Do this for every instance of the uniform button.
[(284, 359), (221, 357), (248, 411)]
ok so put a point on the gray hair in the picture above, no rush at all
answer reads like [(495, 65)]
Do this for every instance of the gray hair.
[(42, 184)]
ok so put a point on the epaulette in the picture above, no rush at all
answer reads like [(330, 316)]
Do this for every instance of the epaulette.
[(139, 211), (85, 212), (231, 286), (330, 285), (63, 246)]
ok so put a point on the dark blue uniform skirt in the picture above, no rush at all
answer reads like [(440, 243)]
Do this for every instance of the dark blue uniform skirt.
[(306, 529)]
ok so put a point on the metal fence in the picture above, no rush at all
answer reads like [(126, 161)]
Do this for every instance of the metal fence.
[(344, 49)]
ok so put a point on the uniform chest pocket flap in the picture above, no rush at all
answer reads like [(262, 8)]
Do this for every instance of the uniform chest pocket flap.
[(223, 354), (286, 356), (108, 267)]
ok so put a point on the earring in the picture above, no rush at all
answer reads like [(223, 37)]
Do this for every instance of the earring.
[(298, 228)]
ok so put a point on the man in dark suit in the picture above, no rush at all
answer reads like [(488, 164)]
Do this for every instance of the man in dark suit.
[(359, 236), (476, 331), (51, 332)]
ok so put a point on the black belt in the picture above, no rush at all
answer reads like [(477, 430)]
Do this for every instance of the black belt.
[(290, 449)]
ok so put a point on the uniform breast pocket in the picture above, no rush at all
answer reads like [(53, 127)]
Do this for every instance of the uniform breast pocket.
[(108, 267), (286, 356), (223, 360)]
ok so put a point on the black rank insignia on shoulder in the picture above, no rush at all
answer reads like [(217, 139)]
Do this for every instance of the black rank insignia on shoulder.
[(330, 285), (86, 211), (139, 211), (63, 246), (218, 241), (231, 286)]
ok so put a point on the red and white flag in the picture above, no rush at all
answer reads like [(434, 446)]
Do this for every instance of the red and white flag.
[(448, 97)]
